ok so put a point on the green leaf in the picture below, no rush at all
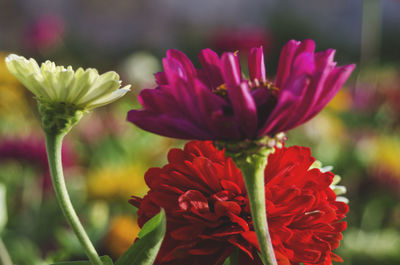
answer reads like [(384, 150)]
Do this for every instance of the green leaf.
[(233, 258), (105, 259), (151, 224), (144, 251), (3, 207)]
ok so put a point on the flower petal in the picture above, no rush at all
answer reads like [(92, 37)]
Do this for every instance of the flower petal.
[(170, 126), (256, 64), (211, 64), (244, 107), (287, 101)]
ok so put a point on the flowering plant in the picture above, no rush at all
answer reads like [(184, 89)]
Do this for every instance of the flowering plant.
[(241, 114), (64, 96), (244, 198)]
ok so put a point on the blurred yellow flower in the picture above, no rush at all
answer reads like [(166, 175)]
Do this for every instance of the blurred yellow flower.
[(341, 102), (383, 153), (6, 78), (326, 126), (116, 183), (14, 108), (121, 234)]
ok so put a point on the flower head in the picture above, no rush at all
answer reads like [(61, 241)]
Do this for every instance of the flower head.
[(208, 212), (85, 89), (63, 94), (218, 103)]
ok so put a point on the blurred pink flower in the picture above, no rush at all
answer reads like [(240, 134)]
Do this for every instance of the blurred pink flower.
[(44, 33), (31, 151), (366, 99)]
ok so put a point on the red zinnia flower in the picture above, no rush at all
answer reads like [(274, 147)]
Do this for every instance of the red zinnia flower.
[(208, 213), (218, 103)]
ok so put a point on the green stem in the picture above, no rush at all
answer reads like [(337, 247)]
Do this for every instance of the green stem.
[(4, 256), (53, 146), (252, 168)]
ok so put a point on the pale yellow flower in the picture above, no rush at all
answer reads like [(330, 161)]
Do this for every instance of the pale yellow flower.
[(83, 89)]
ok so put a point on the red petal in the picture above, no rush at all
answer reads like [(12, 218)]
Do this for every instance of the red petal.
[(193, 198), (189, 232)]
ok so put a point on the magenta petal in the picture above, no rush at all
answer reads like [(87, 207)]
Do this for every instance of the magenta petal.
[(167, 125), (287, 102), (304, 64), (332, 85), (211, 109), (186, 96), (261, 96), (306, 46), (184, 61), (285, 61), (173, 70), (256, 64), (289, 55), (323, 67), (161, 78), (244, 108), (158, 100), (230, 69), (211, 64), (224, 127), (322, 59), (309, 100)]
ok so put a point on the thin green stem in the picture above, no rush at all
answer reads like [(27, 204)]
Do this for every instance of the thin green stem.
[(53, 146), (253, 174), (4, 256)]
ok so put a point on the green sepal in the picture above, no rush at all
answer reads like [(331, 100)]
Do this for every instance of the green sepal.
[(144, 251), (105, 259), (241, 150), (58, 117)]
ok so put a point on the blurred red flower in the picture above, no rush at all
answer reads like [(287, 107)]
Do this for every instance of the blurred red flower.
[(208, 213), (242, 39)]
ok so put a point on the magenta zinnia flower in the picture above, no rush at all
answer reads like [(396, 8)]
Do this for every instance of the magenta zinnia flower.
[(218, 103)]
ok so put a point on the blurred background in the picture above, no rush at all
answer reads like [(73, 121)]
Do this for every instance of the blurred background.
[(105, 157)]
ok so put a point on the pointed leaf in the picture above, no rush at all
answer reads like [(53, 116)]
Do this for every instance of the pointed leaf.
[(144, 251)]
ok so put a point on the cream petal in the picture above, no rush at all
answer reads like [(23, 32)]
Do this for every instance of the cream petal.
[(96, 92), (82, 84), (117, 94)]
